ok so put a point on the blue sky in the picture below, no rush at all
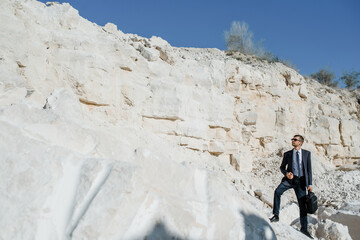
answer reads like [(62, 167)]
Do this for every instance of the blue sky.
[(312, 34)]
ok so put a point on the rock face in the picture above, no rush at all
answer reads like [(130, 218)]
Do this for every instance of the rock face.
[(106, 135)]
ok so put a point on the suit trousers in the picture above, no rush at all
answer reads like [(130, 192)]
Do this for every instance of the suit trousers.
[(300, 192)]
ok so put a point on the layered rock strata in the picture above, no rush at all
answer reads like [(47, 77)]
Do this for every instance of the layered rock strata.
[(111, 135)]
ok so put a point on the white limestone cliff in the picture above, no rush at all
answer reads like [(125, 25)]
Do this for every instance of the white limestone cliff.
[(106, 135)]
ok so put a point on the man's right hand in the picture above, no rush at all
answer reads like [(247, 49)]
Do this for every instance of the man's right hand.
[(290, 175)]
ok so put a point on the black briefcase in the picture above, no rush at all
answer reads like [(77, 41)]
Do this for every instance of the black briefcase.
[(311, 203)]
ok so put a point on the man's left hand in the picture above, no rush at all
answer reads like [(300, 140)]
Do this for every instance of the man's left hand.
[(310, 188)]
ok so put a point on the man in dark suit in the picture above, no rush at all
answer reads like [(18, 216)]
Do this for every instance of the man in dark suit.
[(296, 167)]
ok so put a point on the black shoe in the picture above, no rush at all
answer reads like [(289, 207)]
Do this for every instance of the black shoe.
[(275, 218), (306, 232)]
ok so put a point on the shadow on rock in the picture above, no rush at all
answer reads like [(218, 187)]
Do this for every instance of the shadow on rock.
[(160, 232), (257, 227), (311, 220)]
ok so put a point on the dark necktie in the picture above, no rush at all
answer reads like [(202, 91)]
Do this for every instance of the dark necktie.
[(298, 162)]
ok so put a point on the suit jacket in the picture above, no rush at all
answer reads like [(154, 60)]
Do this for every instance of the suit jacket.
[(286, 165)]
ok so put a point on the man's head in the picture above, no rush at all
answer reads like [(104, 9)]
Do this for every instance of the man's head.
[(297, 141)]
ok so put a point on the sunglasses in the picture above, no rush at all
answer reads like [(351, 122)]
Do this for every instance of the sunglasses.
[(294, 139)]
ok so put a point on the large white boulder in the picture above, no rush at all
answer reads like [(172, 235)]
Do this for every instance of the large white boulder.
[(332, 231)]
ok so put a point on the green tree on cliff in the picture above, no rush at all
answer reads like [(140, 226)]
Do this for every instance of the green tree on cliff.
[(240, 38), (351, 79), (326, 77)]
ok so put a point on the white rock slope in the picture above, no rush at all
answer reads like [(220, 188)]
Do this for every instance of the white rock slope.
[(106, 135)]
